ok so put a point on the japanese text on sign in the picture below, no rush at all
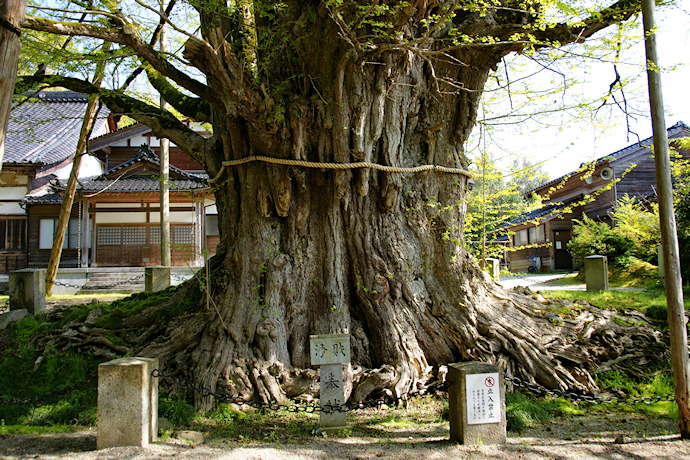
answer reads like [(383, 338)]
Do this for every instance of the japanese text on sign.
[(329, 349), (483, 398)]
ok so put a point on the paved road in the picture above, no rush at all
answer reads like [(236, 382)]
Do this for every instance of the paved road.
[(539, 282), (535, 281)]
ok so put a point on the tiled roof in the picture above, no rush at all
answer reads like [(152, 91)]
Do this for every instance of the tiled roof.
[(48, 198), (672, 131), (136, 184), (542, 212), (44, 128), (146, 155)]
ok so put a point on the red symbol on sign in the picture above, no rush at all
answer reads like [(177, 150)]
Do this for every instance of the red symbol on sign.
[(489, 381)]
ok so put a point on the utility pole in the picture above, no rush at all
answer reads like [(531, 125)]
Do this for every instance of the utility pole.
[(669, 238), (11, 16), (166, 259)]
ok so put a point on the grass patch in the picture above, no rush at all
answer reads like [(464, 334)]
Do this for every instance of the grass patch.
[(523, 411), (658, 385), (24, 376), (23, 429), (653, 297)]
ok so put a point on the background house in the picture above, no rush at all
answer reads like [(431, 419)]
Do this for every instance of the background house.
[(115, 219), (42, 137), (593, 190)]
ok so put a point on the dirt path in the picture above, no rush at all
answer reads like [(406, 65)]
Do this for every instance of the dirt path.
[(586, 437)]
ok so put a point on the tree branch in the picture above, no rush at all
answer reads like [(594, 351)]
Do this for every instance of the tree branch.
[(161, 122), (127, 36)]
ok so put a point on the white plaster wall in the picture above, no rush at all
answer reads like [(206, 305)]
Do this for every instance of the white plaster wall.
[(90, 167), (138, 140), (11, 209), (175, 217), (13, 193), (118, 205), (121, 218)]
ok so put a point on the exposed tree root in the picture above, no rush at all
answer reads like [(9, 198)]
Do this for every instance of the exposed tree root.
[(558, 344)]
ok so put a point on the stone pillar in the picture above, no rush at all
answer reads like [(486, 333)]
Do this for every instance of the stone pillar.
[(476, 402), (156, 278), (660, 258), (494, 268), (331, 351), (28, 290), (597, 273), (127, 403)]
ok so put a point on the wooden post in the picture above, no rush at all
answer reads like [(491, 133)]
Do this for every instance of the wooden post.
[(166, 258), (669, 238), (68, 198), (11, 16)]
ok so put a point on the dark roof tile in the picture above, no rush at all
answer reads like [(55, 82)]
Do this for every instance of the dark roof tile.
[(44, 128)]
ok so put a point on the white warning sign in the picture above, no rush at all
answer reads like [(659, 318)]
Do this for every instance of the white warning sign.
[(483, 398)]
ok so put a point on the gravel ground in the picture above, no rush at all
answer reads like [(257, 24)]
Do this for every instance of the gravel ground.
[(585, 437)]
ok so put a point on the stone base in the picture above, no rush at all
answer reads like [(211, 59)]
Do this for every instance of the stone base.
[(462, 429), (157, 278), (127, 403), (321, 430)]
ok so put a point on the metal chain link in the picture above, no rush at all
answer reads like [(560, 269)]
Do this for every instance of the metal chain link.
[(101, 286), (296, 407), (6, 306), (46, 396), (575, 397), (179, 278)]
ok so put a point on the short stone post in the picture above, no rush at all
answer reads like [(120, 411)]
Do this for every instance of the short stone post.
[(597, 273), (476, 402), (493, 266), (660, 264), (127, 403), (28, 290), (331, 351), (156, 278)]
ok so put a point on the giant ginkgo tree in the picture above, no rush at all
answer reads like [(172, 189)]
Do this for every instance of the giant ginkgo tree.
[(316, 237)]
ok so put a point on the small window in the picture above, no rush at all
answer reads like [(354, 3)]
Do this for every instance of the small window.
[(520, 238), (12, 234), (536, 234), (46, 234)]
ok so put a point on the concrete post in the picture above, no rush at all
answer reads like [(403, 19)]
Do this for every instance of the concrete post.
[(660, 258), (331, 351), (156, 278), (28, 290), (494, 268), (597, 273), (127, 403), (476, 402)]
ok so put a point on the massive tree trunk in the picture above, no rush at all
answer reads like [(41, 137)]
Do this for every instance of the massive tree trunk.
[(374, 254), (312, 251)]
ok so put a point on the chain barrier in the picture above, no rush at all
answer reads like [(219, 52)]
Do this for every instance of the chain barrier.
[(100, 286), (4, 308), (297, 407), (534, 388), (46, 396), (575, 397), (179, 278)]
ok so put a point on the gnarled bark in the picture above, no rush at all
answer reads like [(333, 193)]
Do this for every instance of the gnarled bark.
[(370, 253)]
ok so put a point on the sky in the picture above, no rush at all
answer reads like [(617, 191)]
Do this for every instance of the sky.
[(561, 144)]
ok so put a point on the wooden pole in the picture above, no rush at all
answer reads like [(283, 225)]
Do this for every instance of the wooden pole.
[(68, 198), (669, 237), (11, 16), (166, 258)]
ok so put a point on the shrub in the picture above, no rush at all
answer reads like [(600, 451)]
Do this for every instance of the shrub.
[(640, 224), (176, 410), (598, 238)]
